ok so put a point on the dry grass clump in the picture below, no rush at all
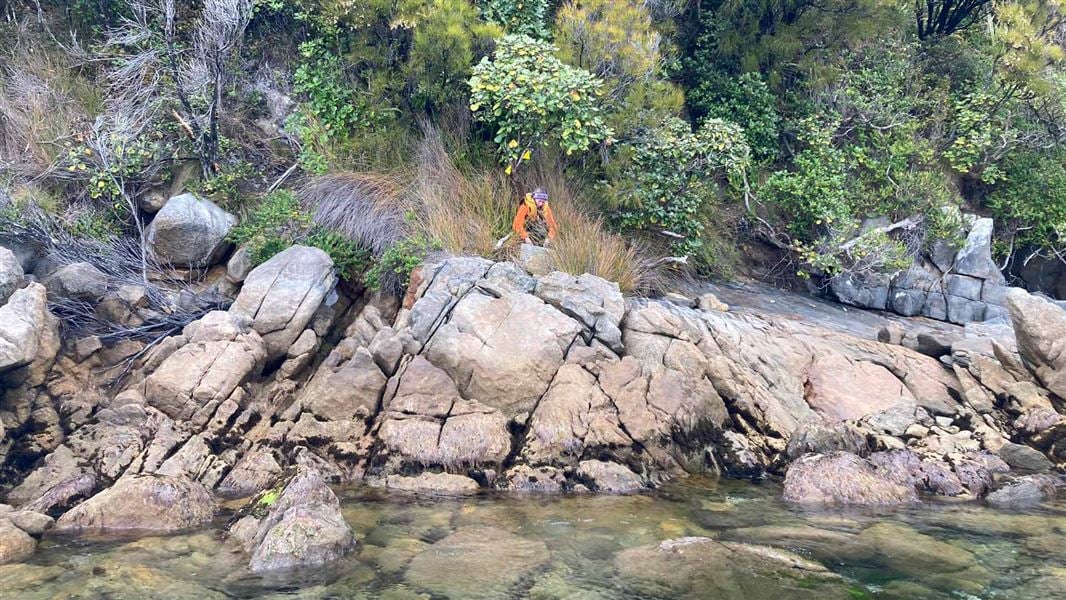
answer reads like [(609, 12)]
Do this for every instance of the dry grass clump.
[(585, 245), (364, 207), (42, 103), (464, 214)]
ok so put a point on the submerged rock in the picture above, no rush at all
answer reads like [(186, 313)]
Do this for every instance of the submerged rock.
[(476, 562), (443, 484), (932, 562), (156, 503), (1027, 491), (699, 567)]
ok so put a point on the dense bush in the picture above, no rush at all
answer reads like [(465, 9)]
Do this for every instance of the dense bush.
[(617, 41), (527, 17), (846, 134), (532, 99), (1030, 201), (664, 181), (746, 101)]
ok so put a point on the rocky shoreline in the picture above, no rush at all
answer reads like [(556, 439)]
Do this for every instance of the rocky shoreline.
[(485, 377)]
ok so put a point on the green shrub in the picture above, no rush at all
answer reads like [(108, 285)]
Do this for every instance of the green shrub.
[(665, 181), (1030, 199), (392, 270), (527, 17), (746, 101), (278, 223), (533, 99)]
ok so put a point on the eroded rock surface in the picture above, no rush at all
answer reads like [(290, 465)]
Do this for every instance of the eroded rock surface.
[(487, 377)]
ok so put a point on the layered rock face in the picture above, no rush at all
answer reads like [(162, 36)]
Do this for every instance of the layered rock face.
[(960, 285), (488, 377)]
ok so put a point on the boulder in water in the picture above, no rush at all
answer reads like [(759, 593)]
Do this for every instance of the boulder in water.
[(699, 567), (155, 503), (843, 478), (476, 562), (297, 523), (15, 544)]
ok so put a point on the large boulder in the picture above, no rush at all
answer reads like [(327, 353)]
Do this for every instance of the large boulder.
[(427, 422), (843, 478), (189, 232), (295, 524), (11, 274), (595, 302), (345, 387), (154, 503), (281, 295), (78, 281), (221, 354), (28, 331), (503, 351), (1040, 327)]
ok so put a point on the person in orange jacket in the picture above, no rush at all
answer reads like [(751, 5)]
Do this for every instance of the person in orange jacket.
[(534, 216)]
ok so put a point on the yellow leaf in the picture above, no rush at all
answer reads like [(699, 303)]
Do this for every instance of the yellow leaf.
[(474, 107), (508, 170), (527, 155), (574, 95), (512, 144)]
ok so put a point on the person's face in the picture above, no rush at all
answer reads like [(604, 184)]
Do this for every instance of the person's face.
[(540, 201)]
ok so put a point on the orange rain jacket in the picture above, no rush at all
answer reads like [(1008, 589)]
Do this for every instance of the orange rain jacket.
[(527, 212)]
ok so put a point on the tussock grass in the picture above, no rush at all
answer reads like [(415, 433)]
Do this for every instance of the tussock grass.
[(364, 207), (465, 214), (43, 102)]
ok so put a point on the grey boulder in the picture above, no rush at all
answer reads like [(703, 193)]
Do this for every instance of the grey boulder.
[(281, 295), (189, 231), (78, 281), (11, 275)]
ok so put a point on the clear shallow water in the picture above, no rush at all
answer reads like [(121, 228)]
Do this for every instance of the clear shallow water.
[(576, 547)]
